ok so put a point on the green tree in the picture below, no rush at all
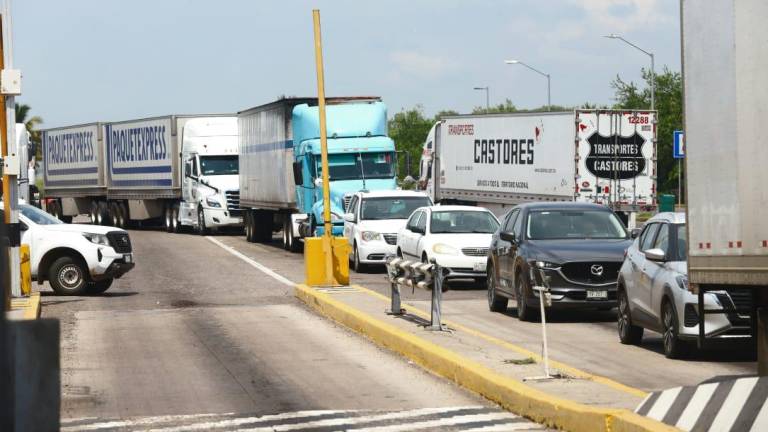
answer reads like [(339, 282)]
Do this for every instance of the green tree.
[(445, 113), (409, 129), (506, 107), (31, 123), (669, 105)]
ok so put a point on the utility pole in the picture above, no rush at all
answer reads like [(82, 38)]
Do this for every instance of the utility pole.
[(9, 87)]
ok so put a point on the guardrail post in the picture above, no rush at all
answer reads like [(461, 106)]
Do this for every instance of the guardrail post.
[(395, 307), (437, 296)]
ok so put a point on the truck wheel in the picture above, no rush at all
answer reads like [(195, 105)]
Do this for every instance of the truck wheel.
[(168, 216), (175, 224), (294, 245), (201, 228), (248, 223), (114, 214), (286, 231), (93, 214), (67, 276), (102, 213), (122, 214), (98, 287)]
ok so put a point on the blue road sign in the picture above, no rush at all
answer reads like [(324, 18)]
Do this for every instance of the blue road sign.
[(678, 148)]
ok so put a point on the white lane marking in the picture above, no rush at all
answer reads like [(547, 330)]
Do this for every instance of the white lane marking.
[(527, 426), (695, 406), (733, 404), (259, 266), (663, 403), (451, 421), (399, 415), (761, 421), (134, 422), (244, 420)]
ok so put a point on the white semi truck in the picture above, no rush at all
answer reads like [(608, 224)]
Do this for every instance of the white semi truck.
[(724, 61), (182, 169), (500, 160)]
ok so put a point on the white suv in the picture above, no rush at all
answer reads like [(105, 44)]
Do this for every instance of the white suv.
[(75, 259), (653, 292), (373, 220)]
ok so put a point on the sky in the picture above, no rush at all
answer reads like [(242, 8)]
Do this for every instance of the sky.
[(101, 60)]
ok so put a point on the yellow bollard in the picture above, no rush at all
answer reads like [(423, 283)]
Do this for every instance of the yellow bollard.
[(315, 259), (26, 270)]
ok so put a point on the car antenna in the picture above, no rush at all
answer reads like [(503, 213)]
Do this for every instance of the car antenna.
[(362, 169)]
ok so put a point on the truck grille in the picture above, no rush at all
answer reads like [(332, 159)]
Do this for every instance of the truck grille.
[(581, 272), (476, 252), (390, 239), (119, 241), (233, 200)]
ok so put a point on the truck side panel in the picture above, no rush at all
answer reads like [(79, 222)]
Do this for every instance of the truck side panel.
[(142, 158), (506, 158), (266, 157), (725, 59), (72, 160)]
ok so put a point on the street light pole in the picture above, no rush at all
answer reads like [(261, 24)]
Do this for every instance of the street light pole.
[(549, 94), (653, 70), (487, 97)]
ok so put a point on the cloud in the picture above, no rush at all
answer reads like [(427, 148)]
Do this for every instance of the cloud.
[(419, 64), (622, 15)]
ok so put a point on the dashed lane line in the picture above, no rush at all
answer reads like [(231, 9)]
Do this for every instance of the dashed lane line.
[(280, 278)]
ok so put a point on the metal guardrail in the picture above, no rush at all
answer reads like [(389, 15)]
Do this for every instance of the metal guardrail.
[(415, 274)]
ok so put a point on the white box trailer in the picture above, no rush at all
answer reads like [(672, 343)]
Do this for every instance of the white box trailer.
[(725, 56), (500, 160), (142, 169)]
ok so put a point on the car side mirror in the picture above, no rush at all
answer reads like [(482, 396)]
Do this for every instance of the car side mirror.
[(23, 226), (508, 236), (319, 182), (349, 217), (635, 232), (655, 255)]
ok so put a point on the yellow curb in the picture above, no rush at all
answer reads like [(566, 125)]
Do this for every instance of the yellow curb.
[(509, 393), (30, 305), (562, 367)]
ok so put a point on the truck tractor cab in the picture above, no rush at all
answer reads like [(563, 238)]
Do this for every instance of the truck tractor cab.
[(360, 157), (210, 186)]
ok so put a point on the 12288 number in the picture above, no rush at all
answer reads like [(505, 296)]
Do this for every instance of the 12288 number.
[(638, 120)]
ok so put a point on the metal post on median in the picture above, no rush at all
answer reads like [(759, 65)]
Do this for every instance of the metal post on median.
[(437, 296), (541, 285)]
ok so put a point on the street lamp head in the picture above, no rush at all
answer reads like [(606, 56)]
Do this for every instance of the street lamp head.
[(612, 36), (511, 61), (479, 88)]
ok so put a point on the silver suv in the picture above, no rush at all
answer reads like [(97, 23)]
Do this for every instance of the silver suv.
[(653, 291)]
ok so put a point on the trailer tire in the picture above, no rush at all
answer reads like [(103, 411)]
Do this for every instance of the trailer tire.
[(175, 224), (294, 245), (168, 214), (114, 213), (93, 214), (102, 213), (247, 226)]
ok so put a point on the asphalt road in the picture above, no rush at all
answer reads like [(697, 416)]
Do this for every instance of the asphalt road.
[(584, 339), (195, 339)]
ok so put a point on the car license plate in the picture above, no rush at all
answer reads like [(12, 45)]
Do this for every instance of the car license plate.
[(479, 266), (128, 258), (597, 295)]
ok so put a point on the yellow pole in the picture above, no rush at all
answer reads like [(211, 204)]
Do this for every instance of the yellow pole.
[(6, 178), (328, 228)]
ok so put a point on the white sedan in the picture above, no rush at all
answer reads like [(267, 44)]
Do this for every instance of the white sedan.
[(457, 237)]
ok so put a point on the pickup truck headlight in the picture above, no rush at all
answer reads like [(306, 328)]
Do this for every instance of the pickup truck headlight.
[(99, 239), (682, 282), (370, 235), (442, 248), (212, 202)]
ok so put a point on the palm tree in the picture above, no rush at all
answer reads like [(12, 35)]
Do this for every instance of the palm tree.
[(31, 123)]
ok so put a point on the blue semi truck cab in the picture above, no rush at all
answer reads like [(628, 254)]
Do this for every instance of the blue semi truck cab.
[(360, 157)]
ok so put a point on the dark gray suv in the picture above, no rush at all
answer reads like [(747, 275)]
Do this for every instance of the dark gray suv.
[(580, 246)]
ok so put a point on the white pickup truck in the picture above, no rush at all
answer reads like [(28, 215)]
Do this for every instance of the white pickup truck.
[(75, 259)]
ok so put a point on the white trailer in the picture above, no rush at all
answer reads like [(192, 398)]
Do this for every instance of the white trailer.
[(724, 61), (500, 160), (180, 168)]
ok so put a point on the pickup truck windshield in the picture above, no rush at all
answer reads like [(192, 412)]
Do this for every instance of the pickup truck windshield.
[(38, 216), (570, 224), (353, 166), (463, 222), (391, 207), (218, 165)]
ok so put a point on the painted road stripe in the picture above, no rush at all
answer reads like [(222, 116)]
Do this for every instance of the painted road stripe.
[(696, 406), (79, 424), (270, 419), (676, 410), (663, 403), (713, 406), (755, 404), (253, 263), (444, 423), (733, 404), (761, 420)]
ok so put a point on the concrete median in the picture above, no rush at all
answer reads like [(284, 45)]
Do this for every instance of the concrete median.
[(573, 402)]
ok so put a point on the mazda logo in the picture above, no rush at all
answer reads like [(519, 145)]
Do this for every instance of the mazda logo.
[(596, 269)]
